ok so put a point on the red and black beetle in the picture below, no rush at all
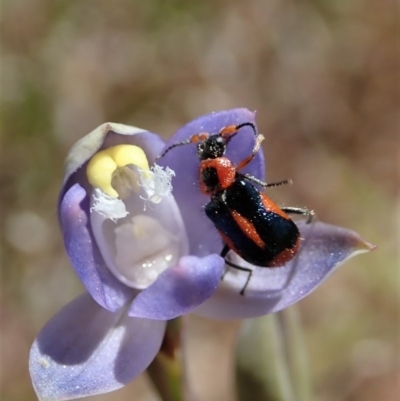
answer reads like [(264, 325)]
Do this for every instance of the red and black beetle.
[(249, 222)]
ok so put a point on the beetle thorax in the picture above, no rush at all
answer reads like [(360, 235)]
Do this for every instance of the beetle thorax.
[(216, 175)]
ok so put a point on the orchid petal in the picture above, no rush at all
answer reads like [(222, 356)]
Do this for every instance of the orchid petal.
[(203, 237), (179, 289), (324, 248), (84, 254), (74, 210), (85, 350)]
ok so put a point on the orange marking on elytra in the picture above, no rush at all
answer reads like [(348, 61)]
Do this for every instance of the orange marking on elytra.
[(285, 255), (228, 242), (270, 206), (248, 228)]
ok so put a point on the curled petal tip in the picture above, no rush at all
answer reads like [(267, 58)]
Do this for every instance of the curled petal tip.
[(361, 245), (368, 246)]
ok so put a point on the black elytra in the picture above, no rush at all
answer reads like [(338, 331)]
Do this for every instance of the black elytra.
[(276, 233)]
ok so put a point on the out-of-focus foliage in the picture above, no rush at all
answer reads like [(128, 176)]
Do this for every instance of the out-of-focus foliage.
[(322, 75)]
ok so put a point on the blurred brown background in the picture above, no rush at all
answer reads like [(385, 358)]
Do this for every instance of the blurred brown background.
[(321, 75)]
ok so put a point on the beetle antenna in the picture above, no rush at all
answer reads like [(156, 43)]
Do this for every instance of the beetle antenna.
[(187, 142), (248, 124), (193, 139)]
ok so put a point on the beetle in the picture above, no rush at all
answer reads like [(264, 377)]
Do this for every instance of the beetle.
[(249, 222)]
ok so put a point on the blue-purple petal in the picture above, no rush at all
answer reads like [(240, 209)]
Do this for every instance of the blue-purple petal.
[(85, 350), (203, 237), (323, 249), (179, 289), (74, 210), (84, 254)]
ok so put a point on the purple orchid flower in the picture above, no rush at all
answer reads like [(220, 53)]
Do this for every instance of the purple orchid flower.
[(147, 255)]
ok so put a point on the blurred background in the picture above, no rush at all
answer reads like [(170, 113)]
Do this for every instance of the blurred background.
[(321, 75)]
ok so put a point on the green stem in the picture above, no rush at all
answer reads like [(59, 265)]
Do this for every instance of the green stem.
[(261, 365), (296, 353), (166, 371), (271, 360)]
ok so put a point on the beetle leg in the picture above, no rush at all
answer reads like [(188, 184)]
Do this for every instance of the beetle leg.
[(262, 183), (244, 269), (298, 210), (223, 253), (248, 159)]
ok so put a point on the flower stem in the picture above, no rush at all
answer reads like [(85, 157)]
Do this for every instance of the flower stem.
[(261, 364), (296, 353), (271, 361), (165, 371)]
